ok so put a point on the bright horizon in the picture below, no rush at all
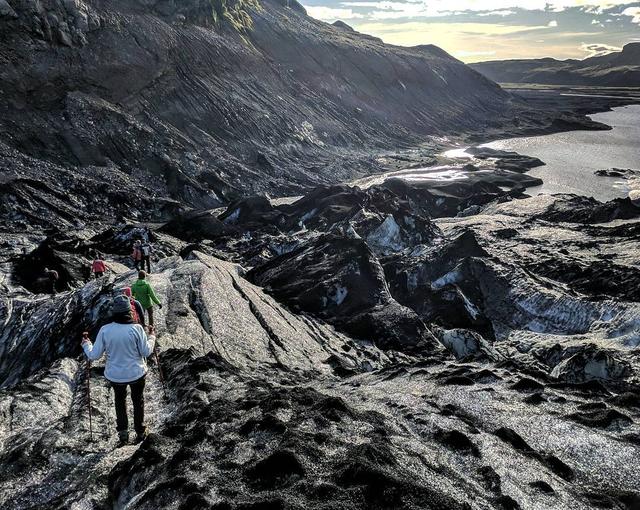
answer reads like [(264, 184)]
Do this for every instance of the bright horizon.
[(474, 31)]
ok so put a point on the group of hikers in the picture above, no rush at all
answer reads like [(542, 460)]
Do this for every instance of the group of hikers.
[(127, 340), (127, 345), (141, 256)]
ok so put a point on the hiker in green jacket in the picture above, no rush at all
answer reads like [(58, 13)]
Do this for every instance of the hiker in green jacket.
[(143, 292)]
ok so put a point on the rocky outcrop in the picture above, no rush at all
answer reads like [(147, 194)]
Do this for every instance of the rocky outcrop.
[(590, 364), (466, 344), (340, 280), (576, 209), (506, 160), (624, 173)]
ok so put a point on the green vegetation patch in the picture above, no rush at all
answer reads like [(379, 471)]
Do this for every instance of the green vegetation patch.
[(235, 13)]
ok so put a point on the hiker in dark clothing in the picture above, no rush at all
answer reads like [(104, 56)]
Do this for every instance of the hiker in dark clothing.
[(146, 250), (143, 292), (127, 346), (52, 279)]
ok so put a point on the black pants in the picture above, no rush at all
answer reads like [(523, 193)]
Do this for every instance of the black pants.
[(137, 264), (120, 399), (99, 274), (146, 261), (150, 314)]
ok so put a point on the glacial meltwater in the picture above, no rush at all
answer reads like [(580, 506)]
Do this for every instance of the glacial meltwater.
[(572, 157)]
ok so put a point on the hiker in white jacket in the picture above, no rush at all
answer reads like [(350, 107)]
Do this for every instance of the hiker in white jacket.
[(127, 346)]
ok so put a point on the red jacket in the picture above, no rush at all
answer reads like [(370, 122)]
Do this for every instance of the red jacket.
[(98, 266), (137, 253)]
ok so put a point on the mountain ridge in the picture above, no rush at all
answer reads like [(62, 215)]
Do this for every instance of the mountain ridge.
[(616, 69)]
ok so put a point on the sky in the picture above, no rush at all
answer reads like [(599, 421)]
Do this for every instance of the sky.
[(477, 30)]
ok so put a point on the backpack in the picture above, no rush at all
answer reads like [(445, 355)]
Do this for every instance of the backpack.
[(146, 250), (134, 312)]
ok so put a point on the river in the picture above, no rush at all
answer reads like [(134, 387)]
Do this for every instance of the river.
[(572, 157)]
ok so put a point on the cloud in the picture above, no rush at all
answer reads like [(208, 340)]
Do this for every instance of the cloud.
[(425, 8), (596, 50), (503, 13), (387, 9), (331, 14), (397, 9), (633, 12), (492, 29)]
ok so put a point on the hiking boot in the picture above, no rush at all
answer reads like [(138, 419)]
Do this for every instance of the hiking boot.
[(123, 438), (141, 436)]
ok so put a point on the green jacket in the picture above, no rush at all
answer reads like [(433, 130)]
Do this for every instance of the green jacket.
[(143, 292)]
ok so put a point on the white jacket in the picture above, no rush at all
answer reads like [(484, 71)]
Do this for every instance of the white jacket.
[(127, 347)]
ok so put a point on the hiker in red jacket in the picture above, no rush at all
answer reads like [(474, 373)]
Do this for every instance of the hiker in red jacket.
[(98, 267)]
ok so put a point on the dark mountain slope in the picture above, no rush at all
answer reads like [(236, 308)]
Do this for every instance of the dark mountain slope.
[(201, 100), (619, 69)]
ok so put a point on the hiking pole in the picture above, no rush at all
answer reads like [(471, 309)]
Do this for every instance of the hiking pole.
[(155, 354), (85, 335)]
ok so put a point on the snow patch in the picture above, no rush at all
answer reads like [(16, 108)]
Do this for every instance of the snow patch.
[(410, 222), (450, 278), (338, 294), (307, 216), (412, 281), (464, 343), (387, 236), (471, 308), (233, 217), (306, 133), (439, 75)]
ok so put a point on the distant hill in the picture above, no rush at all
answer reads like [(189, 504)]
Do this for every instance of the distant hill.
[(619, 69)]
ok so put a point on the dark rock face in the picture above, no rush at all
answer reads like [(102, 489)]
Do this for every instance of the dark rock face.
[(37, 194), (201, 101)]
